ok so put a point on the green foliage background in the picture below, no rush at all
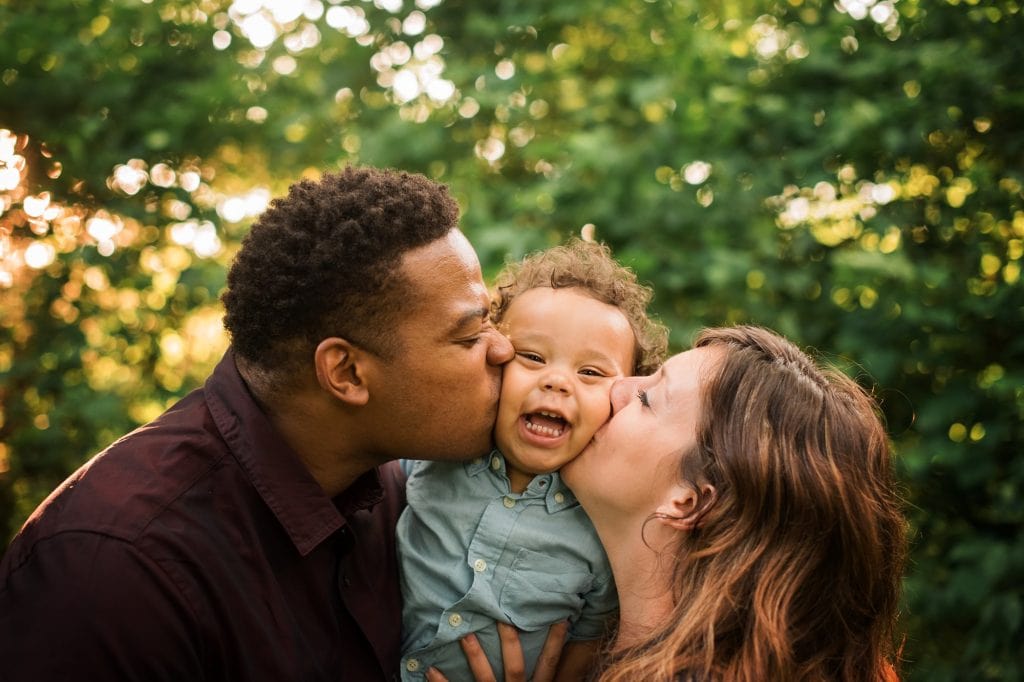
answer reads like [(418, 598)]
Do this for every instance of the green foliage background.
[(851, 179)]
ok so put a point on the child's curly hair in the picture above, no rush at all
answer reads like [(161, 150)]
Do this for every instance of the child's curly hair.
[(588, 266)]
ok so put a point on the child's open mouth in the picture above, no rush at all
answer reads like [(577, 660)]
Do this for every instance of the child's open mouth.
[(546, 424)]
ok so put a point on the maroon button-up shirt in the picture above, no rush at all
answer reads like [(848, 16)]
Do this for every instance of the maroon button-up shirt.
[(200, 548)]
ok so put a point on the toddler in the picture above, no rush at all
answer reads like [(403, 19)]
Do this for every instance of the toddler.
[(500, 538)]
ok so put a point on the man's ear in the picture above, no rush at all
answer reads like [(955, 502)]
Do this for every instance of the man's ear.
[(684, 508), (341, 371)]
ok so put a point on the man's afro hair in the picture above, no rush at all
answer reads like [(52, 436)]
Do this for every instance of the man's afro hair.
[(322, 262)]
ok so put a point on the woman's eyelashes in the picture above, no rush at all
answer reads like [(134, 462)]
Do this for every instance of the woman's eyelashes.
[(642, 395)]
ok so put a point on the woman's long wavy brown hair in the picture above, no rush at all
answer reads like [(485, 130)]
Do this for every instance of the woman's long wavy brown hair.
[(794, 571)]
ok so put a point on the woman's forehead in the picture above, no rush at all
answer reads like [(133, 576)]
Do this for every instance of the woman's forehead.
[(684, 372)]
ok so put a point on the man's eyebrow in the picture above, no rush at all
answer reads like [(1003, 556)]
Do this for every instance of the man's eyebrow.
[(469, 317)]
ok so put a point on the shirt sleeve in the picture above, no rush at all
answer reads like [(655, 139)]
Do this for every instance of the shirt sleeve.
[(91, 607), (601, 604)]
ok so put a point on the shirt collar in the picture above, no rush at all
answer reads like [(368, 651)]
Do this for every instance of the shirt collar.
[(275, 470), (493, 460), (559, 496), (555, 493)]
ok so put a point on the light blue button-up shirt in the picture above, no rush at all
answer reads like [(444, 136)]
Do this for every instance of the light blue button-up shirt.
[(472, 553)]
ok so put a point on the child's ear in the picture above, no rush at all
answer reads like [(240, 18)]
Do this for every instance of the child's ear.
[(341, 370), (685, 507)]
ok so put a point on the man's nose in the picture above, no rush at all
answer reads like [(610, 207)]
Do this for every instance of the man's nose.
[(500, 349)]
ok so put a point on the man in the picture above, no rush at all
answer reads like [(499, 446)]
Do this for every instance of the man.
[(248, 532)]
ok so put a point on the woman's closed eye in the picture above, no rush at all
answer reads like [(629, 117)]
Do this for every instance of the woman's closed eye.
[(642, 395)]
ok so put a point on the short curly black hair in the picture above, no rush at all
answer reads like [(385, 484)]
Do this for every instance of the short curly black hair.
[(324, 261), (588, 266)]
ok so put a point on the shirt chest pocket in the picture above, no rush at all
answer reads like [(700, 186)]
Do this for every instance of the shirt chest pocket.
[(541, 590)]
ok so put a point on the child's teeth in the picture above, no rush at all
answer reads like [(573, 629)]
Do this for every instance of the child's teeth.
[(543, 430)]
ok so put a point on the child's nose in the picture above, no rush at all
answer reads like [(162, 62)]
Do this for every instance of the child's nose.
[(555, 380)]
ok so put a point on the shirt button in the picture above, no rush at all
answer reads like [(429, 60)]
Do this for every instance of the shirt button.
[(479, 565), (495, 462), (412, 665), (559, 498), (508, 502), (455, 620)]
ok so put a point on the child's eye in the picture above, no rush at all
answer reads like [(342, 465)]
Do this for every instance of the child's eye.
[(591, 373), (642, 395), (532, 357)]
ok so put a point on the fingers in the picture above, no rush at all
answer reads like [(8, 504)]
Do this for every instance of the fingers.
[(512, 656), (477, 659), (547, 663), (512, 653), (434, 675)]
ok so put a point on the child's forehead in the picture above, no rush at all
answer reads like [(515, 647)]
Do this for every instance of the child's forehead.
[(568, 317), (544, 307), (542, 293), (543, 303)]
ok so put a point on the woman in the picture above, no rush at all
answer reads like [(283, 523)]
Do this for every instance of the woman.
[(746, 501)]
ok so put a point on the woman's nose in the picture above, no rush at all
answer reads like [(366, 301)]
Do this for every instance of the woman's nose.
[(623, 391)]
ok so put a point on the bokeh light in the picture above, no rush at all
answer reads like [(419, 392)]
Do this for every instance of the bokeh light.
[(883, 13), (412, 74), (53, 228)]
